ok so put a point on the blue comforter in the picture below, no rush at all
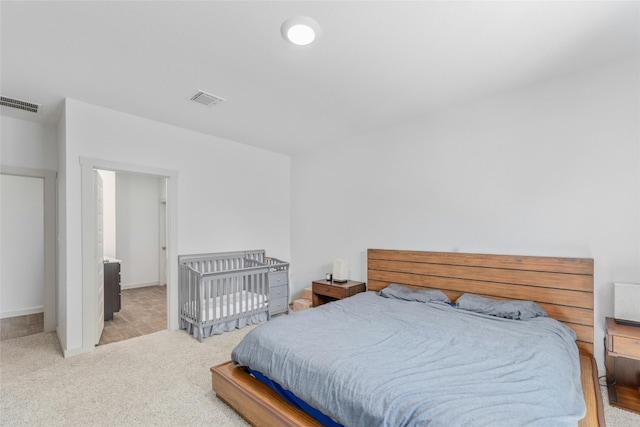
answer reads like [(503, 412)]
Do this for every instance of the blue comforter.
[(373, 361)]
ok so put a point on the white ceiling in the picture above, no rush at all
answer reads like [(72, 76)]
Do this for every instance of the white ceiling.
[(374, 65)]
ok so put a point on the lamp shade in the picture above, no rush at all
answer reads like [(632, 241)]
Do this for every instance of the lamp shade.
[(340, 270)]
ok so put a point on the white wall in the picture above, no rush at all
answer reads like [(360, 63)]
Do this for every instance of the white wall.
[(553, 169), (28, 144), (230, 196), (22, 233), (137, 216)]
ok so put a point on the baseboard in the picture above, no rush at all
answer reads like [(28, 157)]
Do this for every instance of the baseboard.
[(22, 312), (138, 285)]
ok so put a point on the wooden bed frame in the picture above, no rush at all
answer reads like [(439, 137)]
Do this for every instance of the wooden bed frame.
[(562, 286)]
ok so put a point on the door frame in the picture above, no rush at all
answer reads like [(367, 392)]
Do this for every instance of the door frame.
[(89, 291), (49, 189)]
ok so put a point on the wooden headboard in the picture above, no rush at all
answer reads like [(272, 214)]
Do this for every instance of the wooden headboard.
[(562, 286)]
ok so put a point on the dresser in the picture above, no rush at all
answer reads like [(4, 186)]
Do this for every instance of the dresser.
[(112, 303), (278, 292), (623, 365)]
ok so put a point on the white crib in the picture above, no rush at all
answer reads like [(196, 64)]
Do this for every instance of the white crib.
[(219, 292)]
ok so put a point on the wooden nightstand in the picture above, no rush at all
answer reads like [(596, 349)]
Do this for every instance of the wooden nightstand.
[(623, 365), (324, 291)]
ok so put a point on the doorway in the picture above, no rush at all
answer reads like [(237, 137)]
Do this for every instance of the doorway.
[(134, 248), (90, 290), (28, 282)]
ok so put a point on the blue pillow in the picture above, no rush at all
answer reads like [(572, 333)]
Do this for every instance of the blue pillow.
[(405, 293), (509, 309)]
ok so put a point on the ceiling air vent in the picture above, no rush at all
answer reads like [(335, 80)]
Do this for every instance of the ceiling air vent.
[(20, 105), (207, 99)]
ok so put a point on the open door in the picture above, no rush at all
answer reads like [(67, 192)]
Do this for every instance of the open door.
[(162, 259), (99, 260), (162, 236)]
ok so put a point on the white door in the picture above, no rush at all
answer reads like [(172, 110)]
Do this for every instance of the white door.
[(162, 262), (99, 261)]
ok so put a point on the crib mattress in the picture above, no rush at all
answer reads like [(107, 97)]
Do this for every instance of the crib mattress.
[(218, 310), (232, 304)]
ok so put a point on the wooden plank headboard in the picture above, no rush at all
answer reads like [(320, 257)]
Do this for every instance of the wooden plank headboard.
[(562, 286)]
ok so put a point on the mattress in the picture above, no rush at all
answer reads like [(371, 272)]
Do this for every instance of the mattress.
[(232, 304), (373, 361)]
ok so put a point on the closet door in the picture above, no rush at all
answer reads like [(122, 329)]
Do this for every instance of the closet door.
[(99, 261)]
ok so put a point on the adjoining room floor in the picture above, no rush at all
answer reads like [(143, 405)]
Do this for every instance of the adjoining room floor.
[(21, 326), (143, 311)]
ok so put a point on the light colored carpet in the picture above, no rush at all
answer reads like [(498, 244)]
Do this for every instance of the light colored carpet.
[(155, 380), (162, 379)]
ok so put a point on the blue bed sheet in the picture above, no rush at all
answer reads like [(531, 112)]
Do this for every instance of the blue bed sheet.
[(295, 400), (373, 361)]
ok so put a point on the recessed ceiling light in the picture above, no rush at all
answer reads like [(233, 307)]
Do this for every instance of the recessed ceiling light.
[(300, 30)]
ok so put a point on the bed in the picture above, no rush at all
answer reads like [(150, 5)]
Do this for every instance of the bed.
[(219, 292), (563, 287)]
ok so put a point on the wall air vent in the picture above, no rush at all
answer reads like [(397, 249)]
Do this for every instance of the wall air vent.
[(206, 99), (20, 105)]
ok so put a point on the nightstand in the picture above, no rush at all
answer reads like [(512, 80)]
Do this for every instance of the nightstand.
[(623, 365), (324, 291)]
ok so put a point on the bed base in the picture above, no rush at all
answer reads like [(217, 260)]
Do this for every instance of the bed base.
[(260, 406), (256, 402), (563, 286)]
